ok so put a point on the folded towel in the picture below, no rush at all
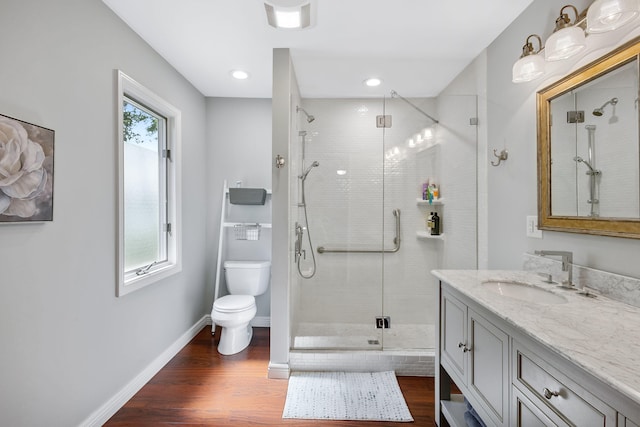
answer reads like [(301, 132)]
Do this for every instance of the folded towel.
[(471, 413), (471, 420)]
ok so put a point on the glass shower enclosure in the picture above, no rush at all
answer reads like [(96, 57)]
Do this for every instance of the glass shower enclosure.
[(361, 278)]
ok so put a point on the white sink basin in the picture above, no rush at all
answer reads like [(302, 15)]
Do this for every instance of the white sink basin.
[(523, 291)]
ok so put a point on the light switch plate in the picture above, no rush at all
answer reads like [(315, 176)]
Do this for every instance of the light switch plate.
[(532, 227)]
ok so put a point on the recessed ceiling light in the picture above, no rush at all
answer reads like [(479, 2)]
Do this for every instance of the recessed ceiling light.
[(239, 74), (373, 82), (288, 14)]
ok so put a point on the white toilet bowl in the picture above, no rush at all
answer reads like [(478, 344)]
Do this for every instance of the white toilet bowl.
[(233, 313)]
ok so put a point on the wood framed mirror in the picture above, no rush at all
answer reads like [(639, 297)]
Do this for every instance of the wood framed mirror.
[(588, 148)]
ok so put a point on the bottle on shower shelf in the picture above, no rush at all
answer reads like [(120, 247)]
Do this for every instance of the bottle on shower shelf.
[(434, 191), (435, 224), (429, 222)]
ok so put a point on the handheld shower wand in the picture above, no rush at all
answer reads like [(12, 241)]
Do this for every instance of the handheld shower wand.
[(304, 174), (300, 253), (592, 171)]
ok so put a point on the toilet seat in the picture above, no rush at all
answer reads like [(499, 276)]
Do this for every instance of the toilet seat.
[(234, 303)]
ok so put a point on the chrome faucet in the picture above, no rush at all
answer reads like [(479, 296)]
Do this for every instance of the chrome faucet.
[(567, 264)]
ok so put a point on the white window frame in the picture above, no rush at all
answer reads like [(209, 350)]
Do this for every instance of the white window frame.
[(130, 281)]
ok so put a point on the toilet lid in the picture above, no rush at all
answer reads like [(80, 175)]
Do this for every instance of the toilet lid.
[(233, 303)]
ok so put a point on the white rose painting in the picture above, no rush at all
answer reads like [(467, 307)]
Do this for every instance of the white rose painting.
[(26, 171)]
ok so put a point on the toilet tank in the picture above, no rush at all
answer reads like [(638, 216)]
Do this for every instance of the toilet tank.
[(247, 277)]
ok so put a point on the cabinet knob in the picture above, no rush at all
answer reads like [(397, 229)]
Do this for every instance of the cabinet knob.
[(549, 394), (464, 347)]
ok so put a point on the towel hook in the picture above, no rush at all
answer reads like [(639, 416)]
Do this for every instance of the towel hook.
[(504, 155)]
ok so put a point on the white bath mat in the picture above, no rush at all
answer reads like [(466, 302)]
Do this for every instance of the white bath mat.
[(373, 396)]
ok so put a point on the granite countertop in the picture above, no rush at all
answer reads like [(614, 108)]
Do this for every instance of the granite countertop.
[(600, 335)]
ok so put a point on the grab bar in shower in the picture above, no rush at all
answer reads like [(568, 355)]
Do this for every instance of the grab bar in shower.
[(396, 242)]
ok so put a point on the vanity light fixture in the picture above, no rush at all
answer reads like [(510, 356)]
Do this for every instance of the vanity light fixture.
[(288, 14), (608, 15), (373, 82), (567, 39), (530, 66)]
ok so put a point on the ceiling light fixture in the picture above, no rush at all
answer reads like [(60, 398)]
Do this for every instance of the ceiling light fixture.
[(239, 74), (288, 14), (373, 82), (530, 65)]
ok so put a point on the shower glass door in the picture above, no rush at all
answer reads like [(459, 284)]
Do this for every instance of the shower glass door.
[(337, 305)]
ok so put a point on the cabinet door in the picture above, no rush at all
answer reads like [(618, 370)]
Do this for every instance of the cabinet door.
[(489, 366), (453, 336)]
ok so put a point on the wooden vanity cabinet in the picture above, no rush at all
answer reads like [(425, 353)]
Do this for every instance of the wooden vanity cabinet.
[(512, 380)]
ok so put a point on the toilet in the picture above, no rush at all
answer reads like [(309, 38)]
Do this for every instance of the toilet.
[(245, 280)]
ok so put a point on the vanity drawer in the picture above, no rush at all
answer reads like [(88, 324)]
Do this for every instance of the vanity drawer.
[(562, 397), (526, 414)]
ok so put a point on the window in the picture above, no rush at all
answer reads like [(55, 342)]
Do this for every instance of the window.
[(149, 199)]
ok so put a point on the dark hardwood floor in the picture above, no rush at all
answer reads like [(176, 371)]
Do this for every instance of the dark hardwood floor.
[(201, 387)]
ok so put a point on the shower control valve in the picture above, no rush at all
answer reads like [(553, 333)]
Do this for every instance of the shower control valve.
[(280, 161)]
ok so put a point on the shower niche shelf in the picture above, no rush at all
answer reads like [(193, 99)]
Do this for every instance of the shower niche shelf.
[(435, 202), (423, 235)]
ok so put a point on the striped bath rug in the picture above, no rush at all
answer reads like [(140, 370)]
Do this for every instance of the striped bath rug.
[(373, 396)]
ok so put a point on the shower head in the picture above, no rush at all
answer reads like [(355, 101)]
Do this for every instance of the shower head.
[(600, 111), (310, 118), (307, 170)]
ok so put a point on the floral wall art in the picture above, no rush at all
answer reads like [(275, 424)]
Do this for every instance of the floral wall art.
[(26, 172)]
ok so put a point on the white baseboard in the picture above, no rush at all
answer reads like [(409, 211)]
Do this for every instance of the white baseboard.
[(106, 411), (278, 371)]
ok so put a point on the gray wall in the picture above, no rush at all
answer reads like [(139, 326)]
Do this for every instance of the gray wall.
[(68, 344), (512, 187), (240, 128)]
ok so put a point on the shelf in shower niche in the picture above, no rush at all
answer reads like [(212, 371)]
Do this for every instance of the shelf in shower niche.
[(426, 236), (434, 202)]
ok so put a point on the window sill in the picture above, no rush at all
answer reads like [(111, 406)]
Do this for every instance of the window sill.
[(131, 282)]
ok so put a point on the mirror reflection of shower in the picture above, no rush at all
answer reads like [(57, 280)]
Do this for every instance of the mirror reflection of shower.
[(600, 111), (593, 173), (300, 253)]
